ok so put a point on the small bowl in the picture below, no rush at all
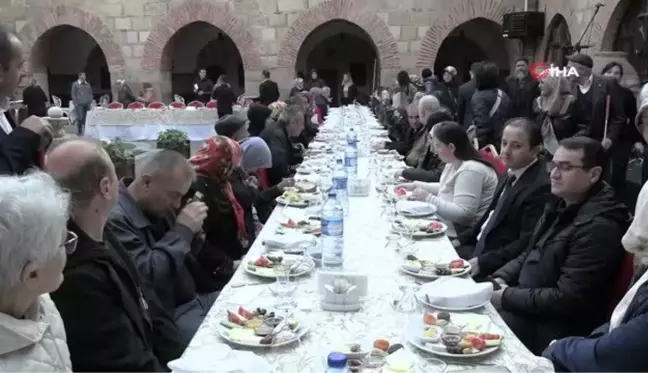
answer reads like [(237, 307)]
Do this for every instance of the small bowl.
[(451, 340)]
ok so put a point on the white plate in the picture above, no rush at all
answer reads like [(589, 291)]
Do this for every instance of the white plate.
[(415, 208), (421, 298), (434, 276), (301, 204), (365, 349), (419, 233), (416, 341), (306, 267), (224, 333), (340, 307)]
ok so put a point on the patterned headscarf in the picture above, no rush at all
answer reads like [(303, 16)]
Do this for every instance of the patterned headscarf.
[(216, 160)]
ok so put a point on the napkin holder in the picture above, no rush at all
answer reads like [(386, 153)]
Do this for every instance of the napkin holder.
[(342, 291)]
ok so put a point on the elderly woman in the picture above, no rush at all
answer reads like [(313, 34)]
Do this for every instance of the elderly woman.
[(447, 90), (35, 243), (555, 107), (298, 87)]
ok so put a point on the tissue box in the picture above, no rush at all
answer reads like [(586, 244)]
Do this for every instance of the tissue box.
[(359, 187), (457, 292)]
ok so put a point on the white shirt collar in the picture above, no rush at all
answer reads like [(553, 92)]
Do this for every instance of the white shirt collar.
[(588, 83), (519, 172)]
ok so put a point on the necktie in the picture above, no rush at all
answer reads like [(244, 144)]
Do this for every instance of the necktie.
[(481, 244)]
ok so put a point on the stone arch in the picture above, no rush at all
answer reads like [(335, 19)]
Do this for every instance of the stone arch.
[(611, 17), (557, 37), (45, 19), (447, 20), (347, 10), (191, 11)]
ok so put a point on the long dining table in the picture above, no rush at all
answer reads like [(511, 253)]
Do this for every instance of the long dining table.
[(365, 252)]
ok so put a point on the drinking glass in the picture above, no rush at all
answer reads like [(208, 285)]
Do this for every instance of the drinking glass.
[(432, 365), (283, 287), (408, 302)]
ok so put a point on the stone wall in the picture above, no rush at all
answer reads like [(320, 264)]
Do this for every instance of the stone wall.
[(407, 33)]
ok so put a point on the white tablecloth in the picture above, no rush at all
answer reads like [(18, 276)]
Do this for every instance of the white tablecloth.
[(145, 124), (365, 231)]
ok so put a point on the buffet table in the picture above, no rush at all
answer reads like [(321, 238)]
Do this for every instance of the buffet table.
[(145, 124), (366, 253)]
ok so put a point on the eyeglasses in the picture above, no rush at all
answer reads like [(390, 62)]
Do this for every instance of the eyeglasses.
[(70, 243), (564, 166)]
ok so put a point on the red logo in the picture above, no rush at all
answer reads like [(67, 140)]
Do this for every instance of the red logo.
[(539, 70)]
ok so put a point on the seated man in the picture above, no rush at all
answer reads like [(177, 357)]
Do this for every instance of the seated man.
[(112, 321), (278, 137), (562, 283), (519, 201), (158, 238)]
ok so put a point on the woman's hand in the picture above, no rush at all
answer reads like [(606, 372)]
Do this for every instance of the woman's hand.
[(419, 194), (408, 186)]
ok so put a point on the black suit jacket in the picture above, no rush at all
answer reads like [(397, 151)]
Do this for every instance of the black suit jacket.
[(515, 223), (601, 88), (464, 108), (284, 154), (19, 150), (268, 92)]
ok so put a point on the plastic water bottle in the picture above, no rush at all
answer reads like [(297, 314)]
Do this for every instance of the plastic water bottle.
[(332, 239), (352, 138), (351, 161), (340, 184), (336, 363)]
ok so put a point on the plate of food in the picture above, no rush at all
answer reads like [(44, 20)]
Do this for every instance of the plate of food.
[(419, 228), (416, 209), (454, 335), (401, 193), (295, 199), (429, 269), (354, 350), (267, 265), (309, 226), (260, 328)]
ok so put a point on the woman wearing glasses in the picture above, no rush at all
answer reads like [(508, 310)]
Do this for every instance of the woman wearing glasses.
[(34, 242)]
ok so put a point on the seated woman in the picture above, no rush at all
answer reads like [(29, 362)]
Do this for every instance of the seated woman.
[(255, 159), (226, 227), (428, 168), (620, 345), (34, 242), (467, 183)]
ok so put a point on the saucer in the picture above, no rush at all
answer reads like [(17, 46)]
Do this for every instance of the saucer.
[(340, 307)]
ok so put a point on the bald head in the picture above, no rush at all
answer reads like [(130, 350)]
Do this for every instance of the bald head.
[(428, 105), (81, 166)]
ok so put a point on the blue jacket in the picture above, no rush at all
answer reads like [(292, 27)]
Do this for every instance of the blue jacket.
[(622, 350)]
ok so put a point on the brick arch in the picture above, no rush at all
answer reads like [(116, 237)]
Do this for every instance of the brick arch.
[(219, 15), (45, 19), (347, 10), (447, 20)]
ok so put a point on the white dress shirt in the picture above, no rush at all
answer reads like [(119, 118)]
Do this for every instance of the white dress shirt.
[(586, 87)]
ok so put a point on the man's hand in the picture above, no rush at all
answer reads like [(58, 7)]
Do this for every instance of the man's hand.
[(379, 146), (237, 263), (607, 143), (496, 298), (285, 183), (398, 174), (639, 148), (40, 127), (474, 264), (192, 216), (419, 194)]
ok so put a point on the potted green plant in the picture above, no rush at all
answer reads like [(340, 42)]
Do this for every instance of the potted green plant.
[(121, 156), (173, 139)]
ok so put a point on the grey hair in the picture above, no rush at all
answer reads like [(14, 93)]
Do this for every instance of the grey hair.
[(35, 211), (162, 161), (291, 113), (429, 104)]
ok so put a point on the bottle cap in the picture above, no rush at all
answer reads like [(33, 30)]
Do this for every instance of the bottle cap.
[(337, 360)]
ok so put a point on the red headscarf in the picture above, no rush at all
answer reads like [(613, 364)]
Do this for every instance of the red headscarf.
[(216, 160)]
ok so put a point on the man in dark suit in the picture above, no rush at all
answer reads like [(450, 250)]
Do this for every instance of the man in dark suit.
[(268, 90), (20, 146), (599, 100), (466, 91), (505, 228)]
